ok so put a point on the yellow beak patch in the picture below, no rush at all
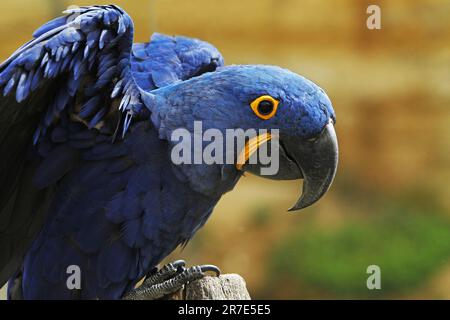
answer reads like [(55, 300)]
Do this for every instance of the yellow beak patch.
[(251, 146)]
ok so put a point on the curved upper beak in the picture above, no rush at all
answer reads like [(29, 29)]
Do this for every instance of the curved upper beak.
[(317, 160)]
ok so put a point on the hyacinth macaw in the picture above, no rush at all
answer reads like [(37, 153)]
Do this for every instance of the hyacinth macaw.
[(87, 179)]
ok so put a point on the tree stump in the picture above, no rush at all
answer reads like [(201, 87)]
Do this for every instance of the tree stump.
[(223, 287)]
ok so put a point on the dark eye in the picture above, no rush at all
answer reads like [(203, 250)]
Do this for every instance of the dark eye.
[(264, 107)]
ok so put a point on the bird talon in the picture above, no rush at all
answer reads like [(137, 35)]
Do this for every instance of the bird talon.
[(210, 268), (169, 279), (179, 265)]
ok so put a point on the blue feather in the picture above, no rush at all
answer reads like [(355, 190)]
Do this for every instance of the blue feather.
[(104, 37), (89, 107), (59, 161), (61, 100), (117, 89), (30, 58), (114, 263), (75, 47), (106, 61), (58, 53), (45, 59), (96, 119), (7, 73), (36, 80), (55, 23), (71, 35), (79, 68), (86, 52), (10, 85), (131, 233), (22, 90), (106, 77), (92, 39)]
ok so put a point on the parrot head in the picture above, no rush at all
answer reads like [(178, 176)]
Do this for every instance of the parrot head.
[(258, 97)]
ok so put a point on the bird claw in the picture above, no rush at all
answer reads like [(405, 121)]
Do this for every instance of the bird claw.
[(179, 264), (210, 268), (169, 279)]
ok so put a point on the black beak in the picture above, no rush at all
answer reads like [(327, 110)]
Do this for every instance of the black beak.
[(317, 159)]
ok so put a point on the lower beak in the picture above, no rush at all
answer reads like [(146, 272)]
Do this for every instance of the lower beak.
[(317, 159)]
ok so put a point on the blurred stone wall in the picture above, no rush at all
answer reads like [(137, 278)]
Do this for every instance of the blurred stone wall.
[(390, 89)]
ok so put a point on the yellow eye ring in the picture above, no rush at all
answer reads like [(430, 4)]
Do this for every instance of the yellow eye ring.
[(265, 107)]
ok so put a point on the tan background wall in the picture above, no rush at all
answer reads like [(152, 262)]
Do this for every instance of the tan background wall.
[(390, 89)]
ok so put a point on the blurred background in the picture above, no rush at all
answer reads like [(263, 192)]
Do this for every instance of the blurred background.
[(390, 203)]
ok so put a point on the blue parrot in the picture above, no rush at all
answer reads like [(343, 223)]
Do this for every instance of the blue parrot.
[(85, 140)]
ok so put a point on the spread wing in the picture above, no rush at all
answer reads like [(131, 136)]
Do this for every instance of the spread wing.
[(77, 68)]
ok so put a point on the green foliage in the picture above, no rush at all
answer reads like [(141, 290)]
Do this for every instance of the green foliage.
[(260, 216), (408, 243)]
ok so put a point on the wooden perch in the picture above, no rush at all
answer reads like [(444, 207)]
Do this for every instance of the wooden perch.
[(224, 287)]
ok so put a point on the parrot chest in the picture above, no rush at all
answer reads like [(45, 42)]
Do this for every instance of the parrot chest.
[(115, 217)]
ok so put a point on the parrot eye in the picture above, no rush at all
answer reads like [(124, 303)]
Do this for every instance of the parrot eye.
[(264, 107)]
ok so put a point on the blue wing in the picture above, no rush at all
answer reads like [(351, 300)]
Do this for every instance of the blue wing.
[(166, 59), (76, 67), (64, 94)]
